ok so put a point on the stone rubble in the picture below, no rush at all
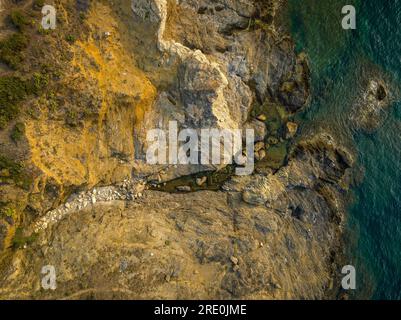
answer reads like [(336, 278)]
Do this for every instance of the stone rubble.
[(128, 190)]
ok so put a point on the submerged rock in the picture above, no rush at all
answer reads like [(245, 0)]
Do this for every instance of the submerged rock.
[(370, 112)]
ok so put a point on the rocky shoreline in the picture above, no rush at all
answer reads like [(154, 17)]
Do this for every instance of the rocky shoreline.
[(273, 235)]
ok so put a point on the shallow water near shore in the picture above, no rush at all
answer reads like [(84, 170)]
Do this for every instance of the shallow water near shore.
[(341, 60)]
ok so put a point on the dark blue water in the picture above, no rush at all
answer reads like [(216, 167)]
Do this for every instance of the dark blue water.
[(340, 61)]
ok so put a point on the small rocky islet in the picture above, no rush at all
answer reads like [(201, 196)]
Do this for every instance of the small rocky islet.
[(372, 107)]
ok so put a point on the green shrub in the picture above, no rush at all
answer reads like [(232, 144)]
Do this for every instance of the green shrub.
[(12, 92), (19, 19), (11, 49), (70, 38), (38, 4), (38, 82), (9, 212), (18, 132), (20, 240), (13, 168), (43, 31), (10, 169)]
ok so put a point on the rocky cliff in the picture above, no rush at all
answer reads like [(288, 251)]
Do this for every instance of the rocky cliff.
[(77, 193)]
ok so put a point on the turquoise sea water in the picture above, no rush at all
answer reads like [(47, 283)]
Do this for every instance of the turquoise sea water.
[(340, 61)]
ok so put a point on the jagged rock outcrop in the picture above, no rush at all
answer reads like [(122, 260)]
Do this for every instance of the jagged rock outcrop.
[(223, 59), (218, 82)]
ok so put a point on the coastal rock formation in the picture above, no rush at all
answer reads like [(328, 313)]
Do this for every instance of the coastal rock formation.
[(76, 192), (281, 242), (371, 110)]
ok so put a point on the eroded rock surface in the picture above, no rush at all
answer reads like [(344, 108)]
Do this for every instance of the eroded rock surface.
[(270, 236)]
